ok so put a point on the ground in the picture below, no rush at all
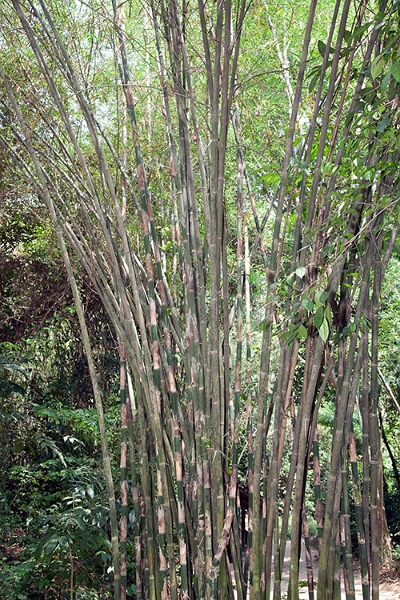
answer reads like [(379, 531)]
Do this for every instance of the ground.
[(389, 589)]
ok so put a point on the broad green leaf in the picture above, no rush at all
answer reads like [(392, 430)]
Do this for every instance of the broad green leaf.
[(328, 315), (288, 337), (319, 317), (395, 71), (385, 81), (365, 91), (51, 545), (105, 557), (65, 542), (272, 178), (382, 125), (301, 333), (262, 325), (308, 304), (324, 330), (300, 272), (377, 66), (77, 521)]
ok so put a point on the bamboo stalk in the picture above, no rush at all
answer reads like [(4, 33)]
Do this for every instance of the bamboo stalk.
[(347, 553), (373, 419), (310, 578), (359, 517), (123, 524), (342, 401)]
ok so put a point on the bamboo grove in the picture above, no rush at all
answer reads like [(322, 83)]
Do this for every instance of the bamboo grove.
[(211, 404)]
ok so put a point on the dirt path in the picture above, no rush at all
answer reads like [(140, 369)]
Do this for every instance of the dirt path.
[(388, 590)]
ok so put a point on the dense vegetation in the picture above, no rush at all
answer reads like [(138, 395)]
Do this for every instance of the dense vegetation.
[(199, 353)]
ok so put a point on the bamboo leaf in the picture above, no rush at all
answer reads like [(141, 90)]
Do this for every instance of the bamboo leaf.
[(321, 47), (349, 118), (348, 36), (313, 82), (359, 32)]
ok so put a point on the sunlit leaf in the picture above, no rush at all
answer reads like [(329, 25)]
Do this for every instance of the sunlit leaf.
[(324, 330), (300, 272), (301, 333)]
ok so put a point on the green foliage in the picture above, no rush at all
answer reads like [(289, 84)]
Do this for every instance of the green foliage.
[(53, 530), (53, 508), (8, 385), (392, 504)]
